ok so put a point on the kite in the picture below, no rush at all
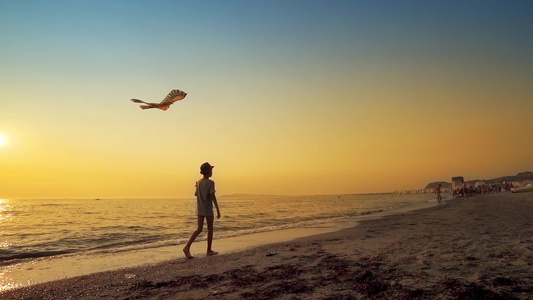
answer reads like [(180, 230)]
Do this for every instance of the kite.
[(173, 96)]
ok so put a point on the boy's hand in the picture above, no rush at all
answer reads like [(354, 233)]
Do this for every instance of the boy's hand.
[(218, 215)]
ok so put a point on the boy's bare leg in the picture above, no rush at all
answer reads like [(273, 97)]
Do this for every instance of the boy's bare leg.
[(187, 248), (210, 220)]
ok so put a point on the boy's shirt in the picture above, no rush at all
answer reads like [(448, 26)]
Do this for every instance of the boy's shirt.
[(205, 188)]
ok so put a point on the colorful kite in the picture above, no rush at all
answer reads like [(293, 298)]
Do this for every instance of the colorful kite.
[(173, 96)]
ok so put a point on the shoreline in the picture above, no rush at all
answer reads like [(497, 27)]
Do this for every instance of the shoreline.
[(477, 248), (42, 270)]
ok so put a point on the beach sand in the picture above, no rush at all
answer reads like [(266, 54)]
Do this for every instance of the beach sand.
[(480, 248)]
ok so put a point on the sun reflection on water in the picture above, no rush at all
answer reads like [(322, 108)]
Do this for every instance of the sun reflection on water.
[(5, 211), (6, 282)]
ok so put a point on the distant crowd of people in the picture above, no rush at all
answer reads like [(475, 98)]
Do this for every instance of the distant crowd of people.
[(467, 191)]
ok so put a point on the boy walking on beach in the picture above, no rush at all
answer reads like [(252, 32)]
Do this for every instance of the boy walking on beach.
[(205, 198)]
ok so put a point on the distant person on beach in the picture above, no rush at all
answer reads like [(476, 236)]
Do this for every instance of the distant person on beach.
[(465, 190), (205, 198), (437, 191)]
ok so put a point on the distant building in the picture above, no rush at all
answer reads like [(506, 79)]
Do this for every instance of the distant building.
[(457, 182)]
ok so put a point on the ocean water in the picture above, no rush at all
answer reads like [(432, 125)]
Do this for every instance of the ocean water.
[(42, 228)]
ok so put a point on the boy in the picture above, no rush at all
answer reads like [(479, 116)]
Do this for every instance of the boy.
[(205, 197)]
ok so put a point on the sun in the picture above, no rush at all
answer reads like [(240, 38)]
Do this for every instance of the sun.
[(3, 141)]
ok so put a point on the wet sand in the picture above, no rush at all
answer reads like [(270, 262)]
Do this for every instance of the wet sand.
[(480, 248)]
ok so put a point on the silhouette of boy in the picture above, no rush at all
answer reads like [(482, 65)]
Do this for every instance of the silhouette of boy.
[(205, 198)]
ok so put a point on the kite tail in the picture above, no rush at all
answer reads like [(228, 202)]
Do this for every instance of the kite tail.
[(146, 106), (137, 101)]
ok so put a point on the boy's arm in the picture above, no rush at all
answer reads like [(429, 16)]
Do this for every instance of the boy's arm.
[(214, 199)]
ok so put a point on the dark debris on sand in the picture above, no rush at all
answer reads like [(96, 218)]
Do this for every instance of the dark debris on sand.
[(329, 277), (321, 275)]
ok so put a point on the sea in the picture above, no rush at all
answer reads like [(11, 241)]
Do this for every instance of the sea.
[(36, 231)]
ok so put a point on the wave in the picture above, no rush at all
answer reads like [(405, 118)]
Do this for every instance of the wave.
[(6, 259), (219, 235)]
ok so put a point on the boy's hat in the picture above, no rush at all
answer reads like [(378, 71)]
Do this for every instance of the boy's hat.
[(205, 168)]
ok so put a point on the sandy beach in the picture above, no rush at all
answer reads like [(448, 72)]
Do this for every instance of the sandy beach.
[(480, 248)]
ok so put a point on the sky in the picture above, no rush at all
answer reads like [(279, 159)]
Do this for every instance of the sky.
[(284, 97)]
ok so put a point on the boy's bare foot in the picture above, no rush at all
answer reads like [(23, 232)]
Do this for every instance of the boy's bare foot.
[(211, 253), (187, 253)]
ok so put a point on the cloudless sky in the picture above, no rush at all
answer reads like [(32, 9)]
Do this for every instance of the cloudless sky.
[(284, 97)]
